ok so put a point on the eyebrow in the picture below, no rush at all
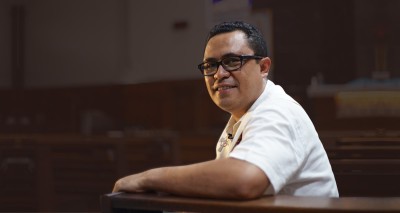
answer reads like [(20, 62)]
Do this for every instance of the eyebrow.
[(223, 56)]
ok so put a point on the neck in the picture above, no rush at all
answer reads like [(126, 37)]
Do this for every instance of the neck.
[(237, 115)]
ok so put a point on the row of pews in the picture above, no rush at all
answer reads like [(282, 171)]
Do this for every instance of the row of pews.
[(68, 173)]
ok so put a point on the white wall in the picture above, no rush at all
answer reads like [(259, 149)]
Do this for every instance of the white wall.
[(90, 42), (156, 50), (73, 42)]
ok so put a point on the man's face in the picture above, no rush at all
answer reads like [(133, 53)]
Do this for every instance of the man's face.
[(235, 91)]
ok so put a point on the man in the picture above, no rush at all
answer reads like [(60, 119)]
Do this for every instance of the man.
[(269, 145)]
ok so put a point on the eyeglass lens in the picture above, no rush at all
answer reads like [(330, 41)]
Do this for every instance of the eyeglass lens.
[(229, 64)]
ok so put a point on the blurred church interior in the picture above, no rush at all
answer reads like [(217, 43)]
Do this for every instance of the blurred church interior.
[(94, 90)]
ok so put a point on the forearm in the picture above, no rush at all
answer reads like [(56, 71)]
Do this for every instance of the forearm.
[(232, 179), (199, 180)]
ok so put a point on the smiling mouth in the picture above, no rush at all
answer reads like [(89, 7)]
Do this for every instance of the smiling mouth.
[(224, 88)]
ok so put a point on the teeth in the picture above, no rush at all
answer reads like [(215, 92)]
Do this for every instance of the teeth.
[(223, 88)]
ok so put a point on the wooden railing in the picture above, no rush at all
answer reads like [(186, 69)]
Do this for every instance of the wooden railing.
[(150, 202)]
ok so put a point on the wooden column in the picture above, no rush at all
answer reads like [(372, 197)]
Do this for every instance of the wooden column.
[(17, 47)]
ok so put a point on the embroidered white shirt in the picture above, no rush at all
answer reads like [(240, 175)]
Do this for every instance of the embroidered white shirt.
[(277, 135)]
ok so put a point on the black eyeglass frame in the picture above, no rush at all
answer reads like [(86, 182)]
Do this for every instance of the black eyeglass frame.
[(216, 64)]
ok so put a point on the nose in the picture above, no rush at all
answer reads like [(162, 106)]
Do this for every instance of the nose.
[(221, 73)]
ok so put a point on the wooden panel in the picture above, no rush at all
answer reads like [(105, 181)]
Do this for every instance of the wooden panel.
[(18, 170), (198, 148), (183, 106), (146, 152), (58, 173), (366, 166)]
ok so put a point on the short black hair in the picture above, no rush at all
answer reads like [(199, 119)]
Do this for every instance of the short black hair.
[(255, 38)]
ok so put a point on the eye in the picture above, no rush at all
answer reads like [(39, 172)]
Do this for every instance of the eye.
[(209, 65), (231, 61)]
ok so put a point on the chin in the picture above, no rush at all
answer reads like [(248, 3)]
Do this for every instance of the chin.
[(224, 105)]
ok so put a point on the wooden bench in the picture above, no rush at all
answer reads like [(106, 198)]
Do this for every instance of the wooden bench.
[(366, 166), (146, 202), (67, 173)]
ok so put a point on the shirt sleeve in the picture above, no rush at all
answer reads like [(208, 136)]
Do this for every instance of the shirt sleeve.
[(269, 141)]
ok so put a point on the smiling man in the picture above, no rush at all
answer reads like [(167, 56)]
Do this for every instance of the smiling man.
[(269, 145)]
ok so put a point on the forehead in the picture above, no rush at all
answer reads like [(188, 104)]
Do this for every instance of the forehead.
[(227, 43)]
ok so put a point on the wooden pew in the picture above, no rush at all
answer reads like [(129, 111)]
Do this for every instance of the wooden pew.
[(146, 202), (366, 166), (67, 173)]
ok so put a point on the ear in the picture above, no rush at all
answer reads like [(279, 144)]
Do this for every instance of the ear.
[(265, 64)]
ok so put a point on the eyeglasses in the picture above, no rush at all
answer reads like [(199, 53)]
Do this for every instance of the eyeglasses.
[(229, 63)]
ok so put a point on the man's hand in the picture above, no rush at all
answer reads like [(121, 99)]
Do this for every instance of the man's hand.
[(129, 183)]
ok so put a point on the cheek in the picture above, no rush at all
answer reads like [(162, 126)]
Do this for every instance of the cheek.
[(209, 83)]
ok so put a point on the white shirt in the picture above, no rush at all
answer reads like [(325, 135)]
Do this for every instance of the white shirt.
[(277, 135)]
